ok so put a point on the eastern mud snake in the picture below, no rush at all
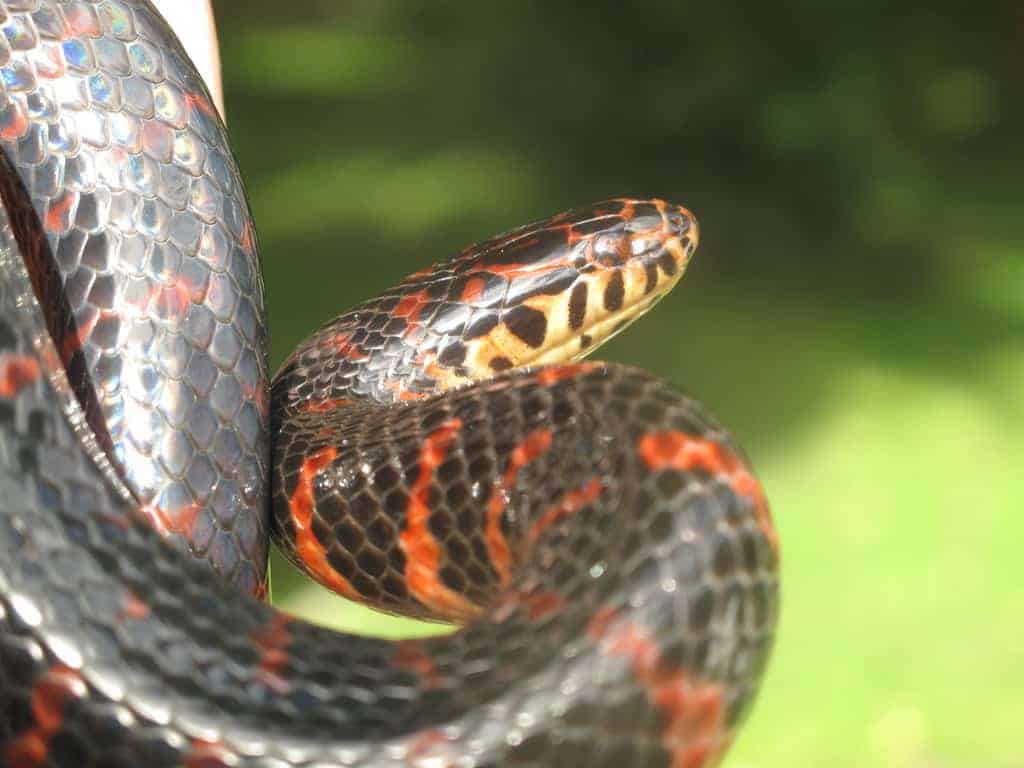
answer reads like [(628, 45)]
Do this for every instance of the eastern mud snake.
[(438, 451)]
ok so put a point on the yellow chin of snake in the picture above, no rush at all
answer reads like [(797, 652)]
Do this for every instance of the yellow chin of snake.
[(599, 305)]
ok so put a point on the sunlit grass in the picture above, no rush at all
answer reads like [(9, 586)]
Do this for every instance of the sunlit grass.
[(901, 620)]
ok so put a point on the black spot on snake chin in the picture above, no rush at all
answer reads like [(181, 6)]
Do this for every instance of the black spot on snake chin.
[(651, 273), (528, 324), (614, 292), (667, 263), (577, 305)]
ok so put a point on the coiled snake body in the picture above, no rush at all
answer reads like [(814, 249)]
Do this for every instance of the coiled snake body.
[(439, 451)]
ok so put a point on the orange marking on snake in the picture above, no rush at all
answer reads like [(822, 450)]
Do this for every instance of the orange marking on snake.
[(180, 521), (324, 406), (16, 373), (81, 22), (307, 546), (573, 235), (402, 394), (18, 125), (208, 754), (427, 361), (48, 700), (695, 732), (410, 655), (428, 749), (537, 605), (273, 640), (260, 396), (410, 306), (58, 214), (676, 450), (49, 63), (529, 449), (346, 348), (473, 289), (133, 607), (74, 339), (543, 604), (171, 301), (248, 238), (196, 101), (422, 549), (424, 272), (550, 376), (569, 505)]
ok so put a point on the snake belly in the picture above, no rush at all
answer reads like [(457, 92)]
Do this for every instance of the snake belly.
[(439, 451)]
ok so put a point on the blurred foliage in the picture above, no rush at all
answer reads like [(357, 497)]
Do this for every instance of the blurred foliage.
[(855, 311)]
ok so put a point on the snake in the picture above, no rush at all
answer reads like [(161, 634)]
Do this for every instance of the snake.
[(442, 451)]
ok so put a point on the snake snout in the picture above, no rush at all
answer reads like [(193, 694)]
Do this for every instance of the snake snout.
[(627, 254), (650, 232), (663, 233)]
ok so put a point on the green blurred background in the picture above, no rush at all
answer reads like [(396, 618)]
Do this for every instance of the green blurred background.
[(854, 313)]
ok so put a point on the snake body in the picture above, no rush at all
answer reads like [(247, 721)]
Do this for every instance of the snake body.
[(440, 451)]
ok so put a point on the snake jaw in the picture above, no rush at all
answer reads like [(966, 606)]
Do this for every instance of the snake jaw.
[(619, 266), (613, 296), (573, 346)]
